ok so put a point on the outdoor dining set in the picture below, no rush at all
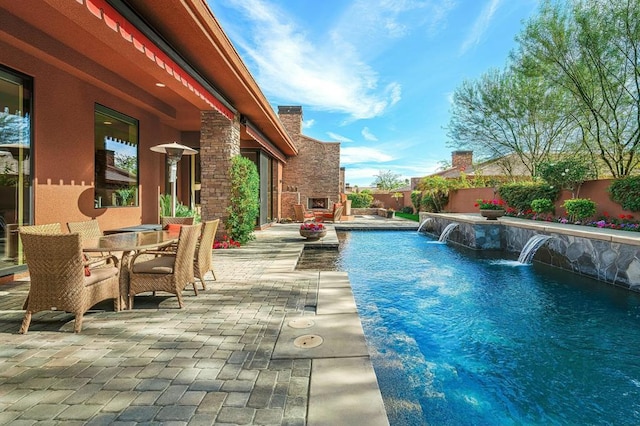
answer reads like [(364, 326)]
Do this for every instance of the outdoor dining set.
[(73, 271)]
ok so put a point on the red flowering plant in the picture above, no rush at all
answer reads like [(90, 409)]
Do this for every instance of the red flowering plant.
[(490, 204), (225, 243), (312, 226)]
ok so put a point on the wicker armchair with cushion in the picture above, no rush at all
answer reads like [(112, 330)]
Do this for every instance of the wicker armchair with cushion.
[(165, 221), (203, 256), (169, 271), (59, 281), (335, 215), (302, 214)]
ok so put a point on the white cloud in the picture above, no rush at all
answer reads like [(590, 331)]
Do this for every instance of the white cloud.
[(480, 26), (355, 155), (374, 25), (329, 75), (308, 124), (366, 133), (339, 138)]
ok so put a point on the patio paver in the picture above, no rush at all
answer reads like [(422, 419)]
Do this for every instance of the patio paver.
[(209, 363)]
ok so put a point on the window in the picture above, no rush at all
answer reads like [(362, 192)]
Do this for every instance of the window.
[(15, 163), (116, 159)]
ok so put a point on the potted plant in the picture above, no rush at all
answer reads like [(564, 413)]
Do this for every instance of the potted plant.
[(313, 230), (491, 209), (390, 213)]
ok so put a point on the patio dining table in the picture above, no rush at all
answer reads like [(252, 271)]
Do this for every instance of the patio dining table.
[(129, 243)]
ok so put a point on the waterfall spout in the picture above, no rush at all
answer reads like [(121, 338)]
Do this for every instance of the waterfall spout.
[(424, 222), (447, 230), (529, 249)]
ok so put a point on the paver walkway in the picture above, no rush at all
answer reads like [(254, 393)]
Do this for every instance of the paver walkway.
[(226, 358)]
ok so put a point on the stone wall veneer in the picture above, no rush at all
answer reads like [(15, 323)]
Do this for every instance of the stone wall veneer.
[(315, 171), (219, 143), (611, 257)]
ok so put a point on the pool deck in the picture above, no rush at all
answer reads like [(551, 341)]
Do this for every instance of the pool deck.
[(264, 344)]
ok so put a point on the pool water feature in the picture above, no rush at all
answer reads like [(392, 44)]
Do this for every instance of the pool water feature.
[(460, 337), (530, 248), (447, 231)]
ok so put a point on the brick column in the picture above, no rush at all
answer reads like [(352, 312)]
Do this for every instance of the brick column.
[(219, 143)]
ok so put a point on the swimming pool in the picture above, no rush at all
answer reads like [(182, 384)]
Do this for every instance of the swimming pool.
[(465, 338)]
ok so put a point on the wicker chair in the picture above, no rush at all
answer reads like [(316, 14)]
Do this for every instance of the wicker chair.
[(204, 249), (169, 271), (172, 220), (58, 280), (86, 229), (89, 229), (336, 213), (48, 228), (302, 214)]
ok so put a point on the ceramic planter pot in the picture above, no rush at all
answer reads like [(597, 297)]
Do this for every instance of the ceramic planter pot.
[(491, 214), (313, 235)]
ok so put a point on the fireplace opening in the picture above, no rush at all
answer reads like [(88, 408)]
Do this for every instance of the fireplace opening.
[(318, 203)]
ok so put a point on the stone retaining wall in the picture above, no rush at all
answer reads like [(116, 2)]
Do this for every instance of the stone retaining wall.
[(613, 258)]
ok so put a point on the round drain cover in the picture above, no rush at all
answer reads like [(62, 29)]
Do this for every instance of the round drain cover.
[(308, 341), (301, 323)]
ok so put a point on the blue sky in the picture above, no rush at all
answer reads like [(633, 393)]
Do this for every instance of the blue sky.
[(375, 75)]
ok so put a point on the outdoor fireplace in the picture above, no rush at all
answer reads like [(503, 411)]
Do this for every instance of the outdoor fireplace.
[(318, 203)]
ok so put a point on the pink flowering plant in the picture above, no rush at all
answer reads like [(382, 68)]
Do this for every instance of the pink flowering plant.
[(312, 226), (490, 204)]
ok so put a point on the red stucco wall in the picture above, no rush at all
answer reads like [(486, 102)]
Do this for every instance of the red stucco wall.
[(463, 200), (63, 150)]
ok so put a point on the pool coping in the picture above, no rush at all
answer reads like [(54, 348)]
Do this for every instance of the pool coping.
[(610, 235)]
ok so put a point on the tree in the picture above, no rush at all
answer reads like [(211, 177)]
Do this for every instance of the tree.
[(435, 191), (387, 180), (568, 173), (591, 49), (507, 112)]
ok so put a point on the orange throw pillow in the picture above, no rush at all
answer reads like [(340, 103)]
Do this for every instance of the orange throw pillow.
[(87, 270), (174, 227)]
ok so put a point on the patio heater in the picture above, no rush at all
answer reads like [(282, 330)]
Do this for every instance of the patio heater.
[(174, 152)]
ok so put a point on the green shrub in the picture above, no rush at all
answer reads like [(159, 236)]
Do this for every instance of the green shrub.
[(519, 195), (579, 209), (435, 191), (626, 192), (407, 210), (360, 200), (181, 209), (542, 205), (416, 199), (434, 202), (244, 201)]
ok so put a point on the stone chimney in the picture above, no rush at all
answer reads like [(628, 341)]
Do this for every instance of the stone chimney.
[(291, 119), (461, 160)]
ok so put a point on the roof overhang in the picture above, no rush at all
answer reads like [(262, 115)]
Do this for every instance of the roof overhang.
[(127, 47)]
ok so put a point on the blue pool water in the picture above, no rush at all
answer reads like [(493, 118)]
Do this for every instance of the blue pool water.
[(462, 338)]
